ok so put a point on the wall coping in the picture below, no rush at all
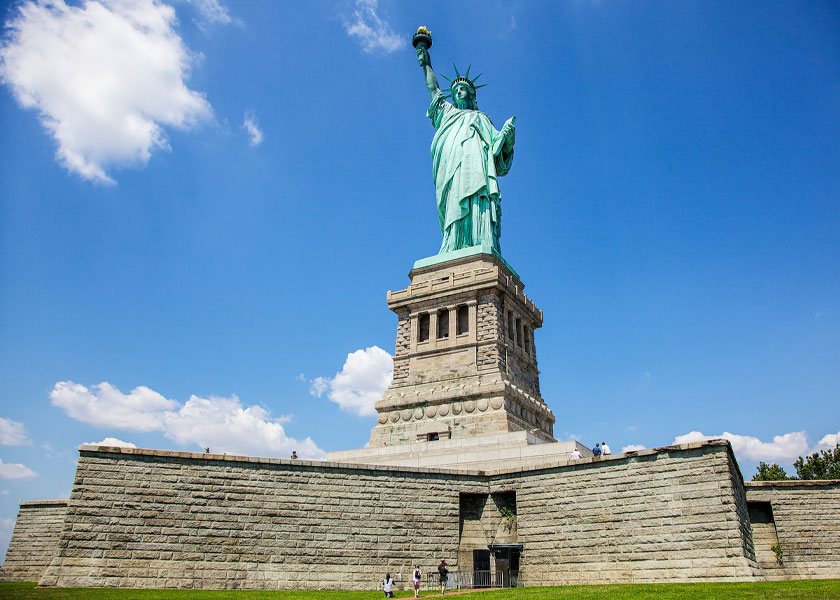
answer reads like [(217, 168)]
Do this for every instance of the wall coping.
[(403, 469), (33, 503), (792, 483)]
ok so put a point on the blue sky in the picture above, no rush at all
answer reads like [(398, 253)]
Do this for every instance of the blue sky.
[(204, 203)]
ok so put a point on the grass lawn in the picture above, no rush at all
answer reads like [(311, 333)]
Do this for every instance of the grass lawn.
[(824, 589)]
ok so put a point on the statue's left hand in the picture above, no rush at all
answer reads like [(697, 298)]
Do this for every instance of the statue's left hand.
[(509, 132)]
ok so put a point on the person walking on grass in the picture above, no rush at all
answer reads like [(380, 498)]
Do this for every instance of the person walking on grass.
[(444, 574), (416, 579)]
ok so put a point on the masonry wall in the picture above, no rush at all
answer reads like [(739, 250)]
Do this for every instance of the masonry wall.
[(34, 540), (144, 518), (807, 520), (669, 514)]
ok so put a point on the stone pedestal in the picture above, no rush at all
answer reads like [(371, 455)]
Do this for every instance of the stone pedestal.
[(465, 362)]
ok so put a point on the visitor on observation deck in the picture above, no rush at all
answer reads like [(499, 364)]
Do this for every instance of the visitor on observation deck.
[(596, 451), (605, 449), (575, 455)]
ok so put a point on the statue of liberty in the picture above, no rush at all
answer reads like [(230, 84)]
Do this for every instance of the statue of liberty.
[(468, 157)]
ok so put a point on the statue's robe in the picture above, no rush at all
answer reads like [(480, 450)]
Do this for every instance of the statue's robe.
[(468, 156)]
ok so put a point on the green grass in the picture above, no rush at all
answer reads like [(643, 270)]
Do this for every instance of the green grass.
[(825, 589)]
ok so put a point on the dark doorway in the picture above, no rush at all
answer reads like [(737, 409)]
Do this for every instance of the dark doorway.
[(481, 568), (507, 563)]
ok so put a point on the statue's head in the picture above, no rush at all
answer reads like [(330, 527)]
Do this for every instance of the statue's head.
[(462, 89), (463, 96)]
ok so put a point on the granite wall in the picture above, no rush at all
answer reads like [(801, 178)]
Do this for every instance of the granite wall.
[(806, 515), (146, 518), (34, 541), (157, 519), (668, 514)]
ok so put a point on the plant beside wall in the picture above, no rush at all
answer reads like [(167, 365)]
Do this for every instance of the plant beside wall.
[(777, 550), (508, 514)]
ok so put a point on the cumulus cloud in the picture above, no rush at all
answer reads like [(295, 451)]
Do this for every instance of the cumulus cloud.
[(370, 30), (104, 405), (222, 424), (15, 471), (364, 376), (785, 447), (105, 77), (252, 127), (632, 447), (112, 441), (12, 433), (828, 442)]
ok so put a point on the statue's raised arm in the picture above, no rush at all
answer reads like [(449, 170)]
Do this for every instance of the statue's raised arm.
[(469, 155), (422, 42)]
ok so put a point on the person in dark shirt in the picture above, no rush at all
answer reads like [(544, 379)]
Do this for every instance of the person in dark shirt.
[(444, 573), (596, 451)]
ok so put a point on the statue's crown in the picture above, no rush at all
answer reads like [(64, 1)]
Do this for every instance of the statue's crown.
[(465, 79)]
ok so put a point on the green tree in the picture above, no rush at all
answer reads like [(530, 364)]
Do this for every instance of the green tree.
[(820, 465), (770, 473)]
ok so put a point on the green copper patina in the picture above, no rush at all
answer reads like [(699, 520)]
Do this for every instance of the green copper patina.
[(468, 157)]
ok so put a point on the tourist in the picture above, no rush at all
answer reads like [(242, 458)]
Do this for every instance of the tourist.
[(576, 455), (596, 451), (388, 586), (605, 450), (418, 576), (294, 454), (444, 574)]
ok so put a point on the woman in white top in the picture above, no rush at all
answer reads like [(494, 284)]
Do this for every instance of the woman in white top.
[(388, 586)]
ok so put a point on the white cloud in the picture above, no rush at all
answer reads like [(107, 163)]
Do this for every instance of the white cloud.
[(828, 442), (105, 78), (371, 30), (112, 441), (252, 127), (12, 433), (104, 405), (222, 424), (212, 11), (632, 447), (5, 493), (785, 447), (15, 471), (364, 376)]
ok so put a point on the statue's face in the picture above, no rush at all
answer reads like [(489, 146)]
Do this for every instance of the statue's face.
[(461, 96)]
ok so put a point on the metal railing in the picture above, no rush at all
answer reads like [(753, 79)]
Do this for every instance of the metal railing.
[(457, 580)]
